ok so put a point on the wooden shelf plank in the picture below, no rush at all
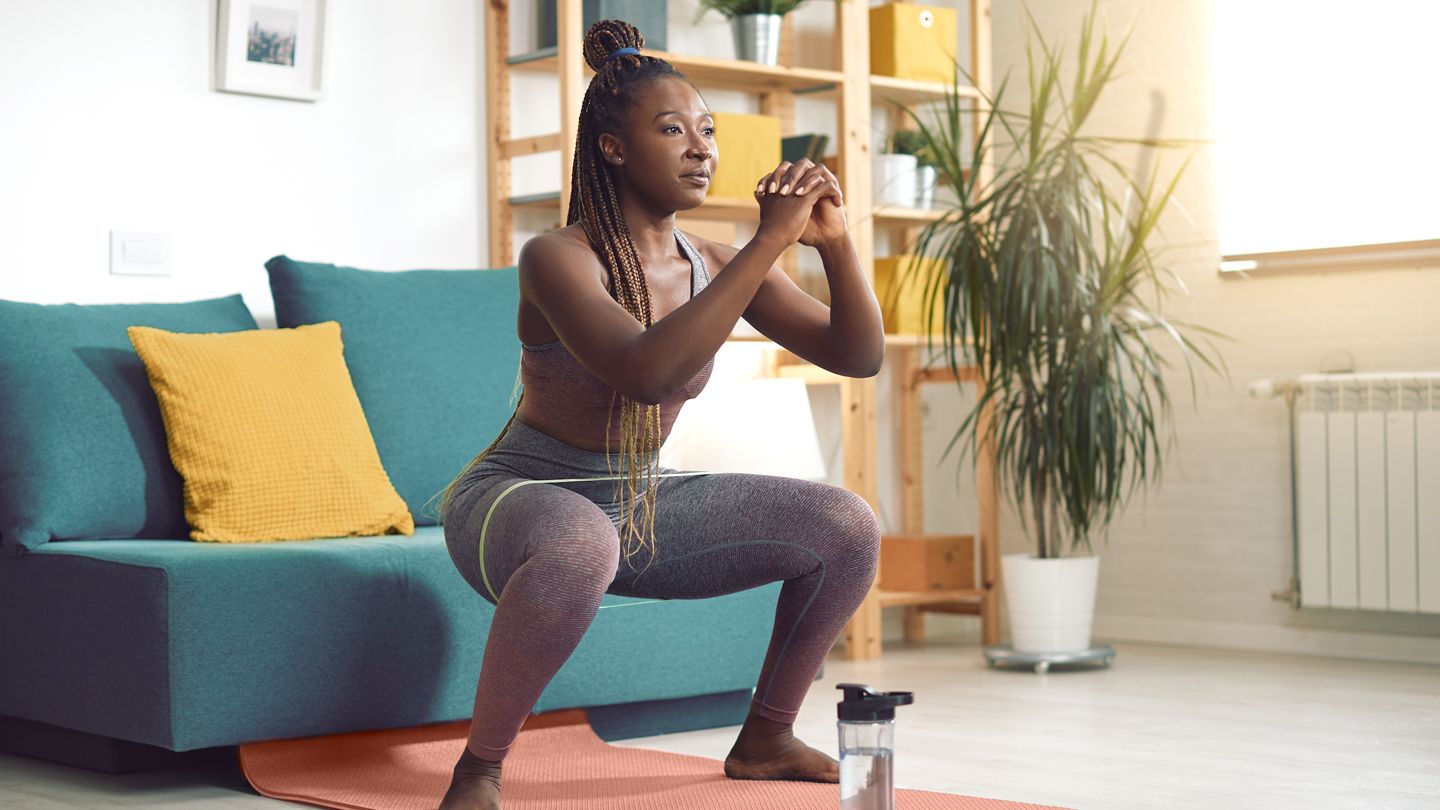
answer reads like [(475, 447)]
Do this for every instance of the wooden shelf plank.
[(535, 144), (736, 209), (722, 209), (896, 598), (730, 209), (893, 216), (726, 209), (749, 75), (526, 61), (890, 340), (909, 91), (545, 199), (975, 608), (746, 75), (710, 71)]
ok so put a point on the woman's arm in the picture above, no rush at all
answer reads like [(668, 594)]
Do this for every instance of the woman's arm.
[(677, 346), (648, 365), (559, 278), (856, 333), (846, 338)]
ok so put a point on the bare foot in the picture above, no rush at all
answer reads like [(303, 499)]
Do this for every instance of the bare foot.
[(767, 749), (475, 784)]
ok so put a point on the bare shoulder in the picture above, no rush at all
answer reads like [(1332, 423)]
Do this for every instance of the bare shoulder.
[(567, 244), (715, 254), (558, 270), (560, 256)]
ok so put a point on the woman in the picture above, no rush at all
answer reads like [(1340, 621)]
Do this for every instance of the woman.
[(619, 322)]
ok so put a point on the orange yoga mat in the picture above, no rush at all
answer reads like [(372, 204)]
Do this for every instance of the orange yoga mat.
[(559, 767)]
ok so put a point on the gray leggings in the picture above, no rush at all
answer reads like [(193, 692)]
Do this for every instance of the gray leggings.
[(551, 550)]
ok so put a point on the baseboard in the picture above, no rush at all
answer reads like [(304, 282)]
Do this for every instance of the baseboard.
[(94, 752), (1270, 639)]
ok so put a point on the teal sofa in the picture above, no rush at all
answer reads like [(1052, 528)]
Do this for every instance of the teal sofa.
[(125, 645)]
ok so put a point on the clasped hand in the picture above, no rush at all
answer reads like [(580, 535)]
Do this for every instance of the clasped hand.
[(802, 202)]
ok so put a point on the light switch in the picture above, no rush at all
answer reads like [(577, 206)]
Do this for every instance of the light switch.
[(139, 254)]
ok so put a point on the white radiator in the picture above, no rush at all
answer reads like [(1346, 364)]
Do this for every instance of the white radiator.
[(1367, 469)]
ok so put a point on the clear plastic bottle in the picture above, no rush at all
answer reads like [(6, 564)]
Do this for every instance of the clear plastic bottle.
[(867, 746)]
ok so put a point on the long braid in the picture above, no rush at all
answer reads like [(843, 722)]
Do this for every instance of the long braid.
[(595, 205)]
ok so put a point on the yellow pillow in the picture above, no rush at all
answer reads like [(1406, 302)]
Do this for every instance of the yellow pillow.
[(266, 430)]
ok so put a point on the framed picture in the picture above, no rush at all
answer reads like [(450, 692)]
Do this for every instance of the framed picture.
[(271, 48)]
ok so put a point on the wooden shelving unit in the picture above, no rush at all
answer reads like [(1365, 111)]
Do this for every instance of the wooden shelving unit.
[(854, 90)]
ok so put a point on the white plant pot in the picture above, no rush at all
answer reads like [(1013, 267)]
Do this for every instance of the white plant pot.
[(1051, 602), (895, 180)]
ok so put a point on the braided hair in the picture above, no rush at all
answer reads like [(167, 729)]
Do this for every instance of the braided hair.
[(622, 73)]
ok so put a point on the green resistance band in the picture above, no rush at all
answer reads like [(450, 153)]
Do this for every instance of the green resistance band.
[(484, 527)]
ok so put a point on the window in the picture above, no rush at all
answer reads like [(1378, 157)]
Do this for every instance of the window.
[(1328, 131)]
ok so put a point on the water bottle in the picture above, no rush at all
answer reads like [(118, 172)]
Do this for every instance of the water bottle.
[(867, 746)]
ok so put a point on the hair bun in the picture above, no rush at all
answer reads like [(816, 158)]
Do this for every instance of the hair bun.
[(607, 36)]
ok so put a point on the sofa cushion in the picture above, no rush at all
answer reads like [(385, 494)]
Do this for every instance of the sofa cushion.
[(266, 430), (84, 447), (189, 645), (433, 354)]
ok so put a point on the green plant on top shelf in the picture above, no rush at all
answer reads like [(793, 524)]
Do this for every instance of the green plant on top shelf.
[(735, 8)]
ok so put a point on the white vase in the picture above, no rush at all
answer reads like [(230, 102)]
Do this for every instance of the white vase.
[(1051, 602), (895, 180)]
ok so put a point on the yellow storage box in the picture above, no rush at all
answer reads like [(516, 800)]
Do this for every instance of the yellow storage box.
[(901, 288), (910, 41), (749, 147)]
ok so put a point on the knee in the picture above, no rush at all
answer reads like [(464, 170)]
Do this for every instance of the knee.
[(582, 553), (854, 533)]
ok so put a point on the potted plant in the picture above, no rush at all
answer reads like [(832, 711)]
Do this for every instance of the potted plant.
[(894, 177), (911, 142), (755, 24), (1049, 277)]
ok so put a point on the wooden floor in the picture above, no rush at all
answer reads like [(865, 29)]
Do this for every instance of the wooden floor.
[(1166, 727)]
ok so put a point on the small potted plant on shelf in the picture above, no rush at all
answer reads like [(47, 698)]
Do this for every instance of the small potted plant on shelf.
[(911, 142), (894, 172), (1049, 277), (755, 24)]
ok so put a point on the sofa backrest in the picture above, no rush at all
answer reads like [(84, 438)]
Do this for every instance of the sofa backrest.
[(83, 453), (433, 354)]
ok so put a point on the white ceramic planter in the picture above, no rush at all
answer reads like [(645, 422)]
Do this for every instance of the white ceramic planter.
[(895, 180), (1051, 602)]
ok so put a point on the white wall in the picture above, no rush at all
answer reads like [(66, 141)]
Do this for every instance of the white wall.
[(109, 121)]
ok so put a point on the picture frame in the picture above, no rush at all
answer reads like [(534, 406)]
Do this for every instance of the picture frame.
[(271, 48)]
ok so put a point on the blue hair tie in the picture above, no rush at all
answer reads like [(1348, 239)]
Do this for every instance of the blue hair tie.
[(620, 52)]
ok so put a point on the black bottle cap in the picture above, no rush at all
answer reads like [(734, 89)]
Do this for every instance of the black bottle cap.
[(863, 703)]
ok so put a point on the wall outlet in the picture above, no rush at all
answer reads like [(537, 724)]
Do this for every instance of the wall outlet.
[(139, 254)]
